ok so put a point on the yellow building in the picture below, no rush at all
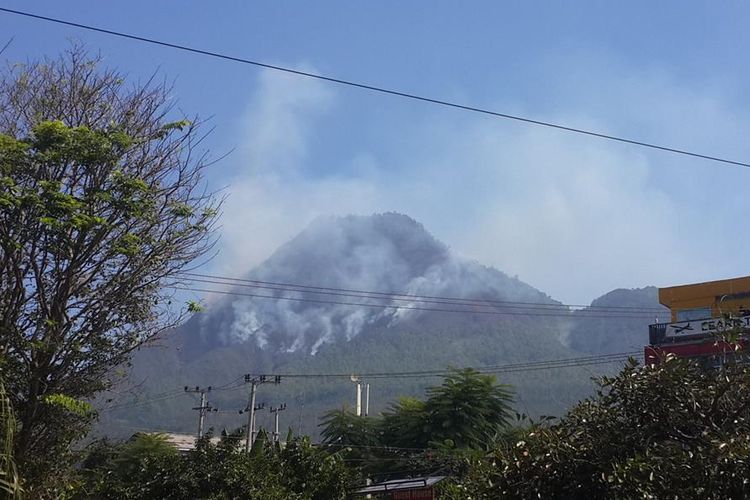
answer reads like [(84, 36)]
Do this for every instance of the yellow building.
[(701, 314), (711, 299)]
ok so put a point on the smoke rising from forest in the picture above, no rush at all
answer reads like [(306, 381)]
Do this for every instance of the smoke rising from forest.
[(556, 210), (385, 252)]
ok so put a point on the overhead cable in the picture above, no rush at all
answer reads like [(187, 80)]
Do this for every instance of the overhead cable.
[(381, 90), (489, 369), (474, 310), (401, 296)]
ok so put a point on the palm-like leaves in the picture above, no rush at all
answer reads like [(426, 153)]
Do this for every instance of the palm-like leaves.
[(467, 409)]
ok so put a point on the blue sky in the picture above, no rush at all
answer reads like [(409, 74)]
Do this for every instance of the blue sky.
[(571, 215)]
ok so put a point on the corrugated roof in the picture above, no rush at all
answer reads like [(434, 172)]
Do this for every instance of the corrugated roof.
[(413, 483)]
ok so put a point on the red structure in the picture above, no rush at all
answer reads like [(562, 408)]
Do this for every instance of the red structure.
[(418, 488), (710, 349)]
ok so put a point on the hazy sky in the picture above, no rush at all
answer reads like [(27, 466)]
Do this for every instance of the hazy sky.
[(571, 215)]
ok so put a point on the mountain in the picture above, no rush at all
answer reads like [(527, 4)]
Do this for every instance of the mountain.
[(624, 326), (385, 252), (266, 328)]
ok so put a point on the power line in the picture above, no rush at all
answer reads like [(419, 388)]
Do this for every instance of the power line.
[(137, 403), (393, 306), (359, 293), (528, 369), (170, 394), (488, 369), (381, 90), (506, 368), (551, 363), (625, 311)]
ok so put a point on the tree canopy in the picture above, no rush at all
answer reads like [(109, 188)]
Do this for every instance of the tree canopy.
[(101, 205), (466, 411), (143, 469), (675, 430)]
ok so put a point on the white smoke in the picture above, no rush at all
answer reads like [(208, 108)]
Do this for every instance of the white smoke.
[(387, 252), (554, 208), (573, 216)]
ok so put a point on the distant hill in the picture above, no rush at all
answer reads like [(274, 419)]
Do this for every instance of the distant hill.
[(386, 252), (605, 335)]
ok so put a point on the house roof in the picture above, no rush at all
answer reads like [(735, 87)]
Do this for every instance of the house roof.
[(182, 442), (413, 483)]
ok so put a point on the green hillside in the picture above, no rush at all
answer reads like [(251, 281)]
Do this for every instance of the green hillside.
[(238, 334)]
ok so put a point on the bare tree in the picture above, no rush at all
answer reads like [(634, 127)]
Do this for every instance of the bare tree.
[(102, 204)]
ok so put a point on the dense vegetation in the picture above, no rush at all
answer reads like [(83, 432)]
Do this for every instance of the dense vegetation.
[(676, 430), (466, 411), (146, 467), (463, 414), (671, 431)]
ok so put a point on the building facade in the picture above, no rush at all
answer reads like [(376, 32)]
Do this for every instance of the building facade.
[(709, 321)]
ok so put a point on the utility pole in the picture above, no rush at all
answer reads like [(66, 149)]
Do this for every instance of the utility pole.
[(204, 406), (367, 400), (254, 413), (249, 431), (301, 401), (275, 412), (251, 407)]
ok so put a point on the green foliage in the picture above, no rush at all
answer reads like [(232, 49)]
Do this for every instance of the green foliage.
[(73, 405), (90, 170), (458, 420), (141, 448), (313, 472), (12, 155), (468, 409), (182, 210), (674, 430), (406, 424), (344, 428), (194, 306), (167, 128), (145, 468)]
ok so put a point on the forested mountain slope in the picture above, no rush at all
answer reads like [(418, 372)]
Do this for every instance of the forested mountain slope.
[(321, 334)]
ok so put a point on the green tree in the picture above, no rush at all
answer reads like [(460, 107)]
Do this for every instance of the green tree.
[(460, 418), (101, 206), (142, 447), (675, 430), (312, 472), (344, 428), (405, 424), (299, 471), (467, 410)]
